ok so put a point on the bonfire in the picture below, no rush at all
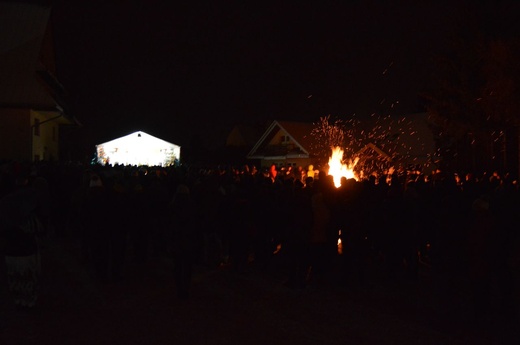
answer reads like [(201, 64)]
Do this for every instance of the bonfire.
[(338, 168)]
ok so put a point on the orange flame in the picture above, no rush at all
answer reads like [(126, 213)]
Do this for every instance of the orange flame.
[(338, 169)]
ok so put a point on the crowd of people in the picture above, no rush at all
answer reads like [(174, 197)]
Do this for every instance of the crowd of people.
[(453, 224)]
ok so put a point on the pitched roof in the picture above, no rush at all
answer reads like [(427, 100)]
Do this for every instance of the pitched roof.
[(299, 133), (145, 137), (27, 59), (21, 37), (373, 147)]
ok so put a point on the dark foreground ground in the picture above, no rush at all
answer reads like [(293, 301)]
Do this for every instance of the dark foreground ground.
[(230, 308)]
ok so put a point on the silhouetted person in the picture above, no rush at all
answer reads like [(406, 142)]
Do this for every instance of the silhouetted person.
[(139, 212), (505, 206), (184, 226), (20, 225), (353, 218), (77, 215), (296, 233), (97, 228), (480, 257), (393, 212), (239, 223), (320, 234), (118, 225)]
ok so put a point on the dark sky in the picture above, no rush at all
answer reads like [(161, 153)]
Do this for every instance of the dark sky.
[(173, 69)]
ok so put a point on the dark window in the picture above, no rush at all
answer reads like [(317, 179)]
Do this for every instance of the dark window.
[(37, 127)]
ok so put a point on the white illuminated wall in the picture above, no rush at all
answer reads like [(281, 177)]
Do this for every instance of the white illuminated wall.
[(138, 148)]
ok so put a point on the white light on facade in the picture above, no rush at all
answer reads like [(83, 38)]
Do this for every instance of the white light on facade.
[(138, 148)]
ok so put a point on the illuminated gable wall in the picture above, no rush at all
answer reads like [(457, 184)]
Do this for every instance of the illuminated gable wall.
[(138, 148)]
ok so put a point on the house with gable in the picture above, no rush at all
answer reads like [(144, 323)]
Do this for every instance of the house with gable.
[(284, 143), (32, 108), (409, 145), (138, 148)]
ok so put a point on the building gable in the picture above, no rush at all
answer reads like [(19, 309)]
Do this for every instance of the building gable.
[(31, 98), (138, 148), (23, 30), (283, 138)]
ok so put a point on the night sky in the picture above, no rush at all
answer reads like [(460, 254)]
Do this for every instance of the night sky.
[(182, 71)]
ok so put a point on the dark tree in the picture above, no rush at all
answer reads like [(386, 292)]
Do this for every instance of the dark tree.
[(475, 101)]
